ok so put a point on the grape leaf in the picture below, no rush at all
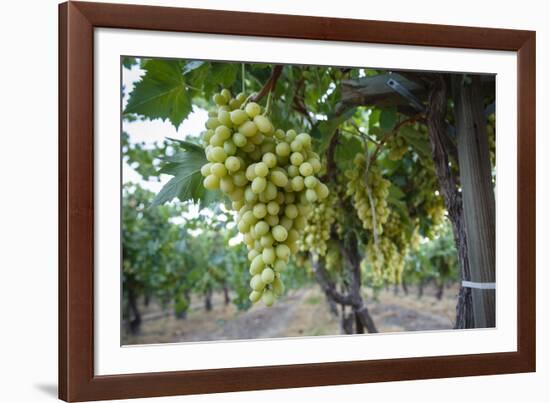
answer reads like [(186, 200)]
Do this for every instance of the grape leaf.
[(323, 130), (346, 150), (188, 145), (396, 192), (186, 184), (224, 73), (417, 140), (128, 61), (161, 92), (388, 118)]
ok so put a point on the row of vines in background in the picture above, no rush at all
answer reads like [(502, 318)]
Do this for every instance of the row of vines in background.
[(162, 261), (169, 259)]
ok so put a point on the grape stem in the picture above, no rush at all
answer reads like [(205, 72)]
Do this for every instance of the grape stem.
[(249, 98), (331, 164), (269, 84), (268, 103), (243, 77), (190, 87), (361, 133), (394, 131), (298, 101), (368, 160)]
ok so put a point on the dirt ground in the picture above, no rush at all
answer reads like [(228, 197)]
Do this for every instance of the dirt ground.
[(303, 312)]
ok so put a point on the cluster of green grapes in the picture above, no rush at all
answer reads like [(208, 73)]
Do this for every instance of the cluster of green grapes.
[(269, 176), (319, 223), (357, 189), (333, 257), (395, 229), (385, 260), (426, 198), (398, 147), (435, 210)]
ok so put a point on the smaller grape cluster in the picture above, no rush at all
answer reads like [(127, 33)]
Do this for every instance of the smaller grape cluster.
[(333, 257), (398, 147), (435, 209), (385, 260), (270, 177), (356, 188), (319, 223)]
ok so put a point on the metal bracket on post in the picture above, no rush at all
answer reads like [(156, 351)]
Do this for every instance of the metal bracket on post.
[(405, 93), (417, 104)]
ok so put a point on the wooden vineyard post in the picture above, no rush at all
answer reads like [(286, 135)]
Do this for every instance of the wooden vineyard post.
[(477, 195)]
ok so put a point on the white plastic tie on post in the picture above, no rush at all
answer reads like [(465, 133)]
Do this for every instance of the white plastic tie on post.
[(479, 286)]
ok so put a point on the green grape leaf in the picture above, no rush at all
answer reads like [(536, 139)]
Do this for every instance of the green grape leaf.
[(161, 93), (346, 150), (186, 183), (396, 192), (417, 140), (182, 304), (188, 145), (209, 197), (324, 129), (128, 61), (409, 132), (224, 74), (388, 118)]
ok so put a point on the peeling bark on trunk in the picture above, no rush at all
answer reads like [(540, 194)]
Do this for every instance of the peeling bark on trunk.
[(358, 324), (366, 320), (437, 105), (135, 321), (360, 314), (208, 300), (420, 291), (181, 315), (405, 288), (440, 290), (349, 249), (226, 298), (147, 299), (332, 306), (347, 323)]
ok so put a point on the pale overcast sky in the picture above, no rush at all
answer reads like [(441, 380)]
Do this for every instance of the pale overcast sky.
[(154, 131)]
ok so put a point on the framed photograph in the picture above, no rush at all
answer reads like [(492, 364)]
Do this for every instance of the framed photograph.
[(256, 201)]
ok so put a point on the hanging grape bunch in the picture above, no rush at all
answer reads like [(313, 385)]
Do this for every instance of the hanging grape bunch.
[(384, 262), (269, 176), (357, 189), (319, 222), (398, 147), (387, 259), (333, 258)]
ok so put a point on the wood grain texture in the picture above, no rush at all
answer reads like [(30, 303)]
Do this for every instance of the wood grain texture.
[(299, 27), (76, 215), (63, 319), (77, 381), (526, 218), (478, 195)]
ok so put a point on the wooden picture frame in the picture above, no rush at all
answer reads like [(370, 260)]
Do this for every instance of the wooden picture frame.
[(77, 21)]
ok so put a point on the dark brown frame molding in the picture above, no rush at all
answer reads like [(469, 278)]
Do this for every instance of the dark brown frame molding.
[(77, 21)]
